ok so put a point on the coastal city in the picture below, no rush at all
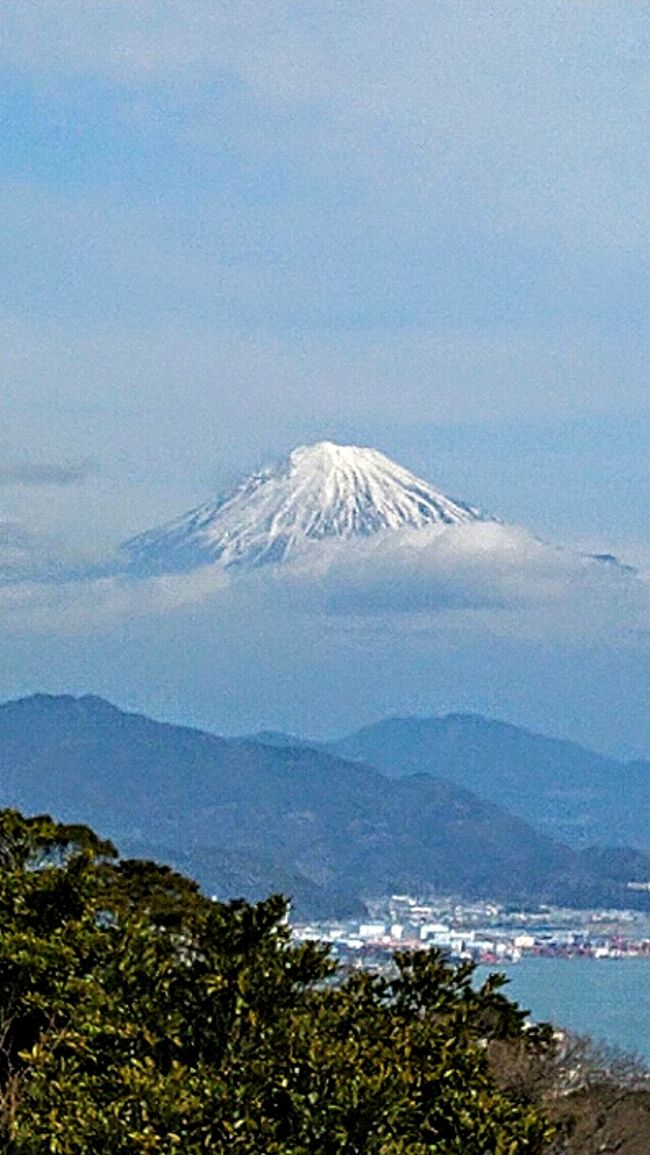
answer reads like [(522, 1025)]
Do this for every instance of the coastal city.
[(485, 933)]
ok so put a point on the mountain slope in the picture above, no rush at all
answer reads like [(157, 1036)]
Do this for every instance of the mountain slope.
[(323, 491), (254, 818), (569, 791)]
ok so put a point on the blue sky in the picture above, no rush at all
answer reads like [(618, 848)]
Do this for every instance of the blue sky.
[(233, 227)]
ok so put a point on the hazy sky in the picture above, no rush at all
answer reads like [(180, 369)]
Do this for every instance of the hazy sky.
[(233, 227)]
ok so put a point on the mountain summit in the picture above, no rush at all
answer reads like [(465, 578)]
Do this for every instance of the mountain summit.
[(321, 491)]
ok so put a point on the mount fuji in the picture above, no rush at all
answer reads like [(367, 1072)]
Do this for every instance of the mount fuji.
[(320, 492)]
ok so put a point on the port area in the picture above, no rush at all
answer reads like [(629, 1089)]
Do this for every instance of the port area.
[(485, 933)]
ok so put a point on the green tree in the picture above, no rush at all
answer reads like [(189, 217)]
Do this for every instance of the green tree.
[(137, 1016)]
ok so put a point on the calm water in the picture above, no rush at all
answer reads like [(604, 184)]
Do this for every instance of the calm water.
[(608, 999)]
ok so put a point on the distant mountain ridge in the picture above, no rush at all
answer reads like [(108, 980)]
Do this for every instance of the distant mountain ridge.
[(560, 786), (319, 492), (247, 818)]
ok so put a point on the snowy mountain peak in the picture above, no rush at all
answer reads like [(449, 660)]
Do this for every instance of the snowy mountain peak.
[(321, 491)]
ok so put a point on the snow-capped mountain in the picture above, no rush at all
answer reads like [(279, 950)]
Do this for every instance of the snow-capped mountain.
[(321, 491)]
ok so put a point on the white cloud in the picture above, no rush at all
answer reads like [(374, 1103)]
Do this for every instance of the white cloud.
[(57, 473), (532, 104), (474, 580), (27, 555), (97, 605), (497, 624), (485, 576), (17, 546)]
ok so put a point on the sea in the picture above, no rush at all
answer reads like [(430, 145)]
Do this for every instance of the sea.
[(608, 999)]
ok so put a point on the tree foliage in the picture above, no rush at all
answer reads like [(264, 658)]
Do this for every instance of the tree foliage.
[(136, 1016)]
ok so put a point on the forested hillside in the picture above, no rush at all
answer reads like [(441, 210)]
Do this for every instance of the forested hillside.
[(563, 788), (246, 818)]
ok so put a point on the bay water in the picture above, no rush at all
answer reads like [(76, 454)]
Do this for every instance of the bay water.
[(608, 999)]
